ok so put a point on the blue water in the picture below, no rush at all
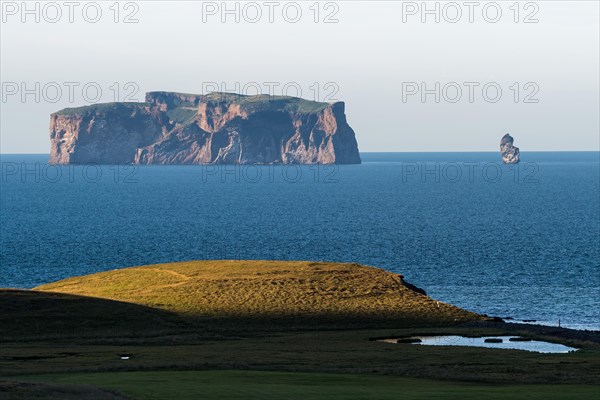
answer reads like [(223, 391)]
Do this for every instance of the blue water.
[(453, 340), (514, 241)]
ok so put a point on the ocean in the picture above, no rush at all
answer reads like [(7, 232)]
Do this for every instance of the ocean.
[(519, 241)]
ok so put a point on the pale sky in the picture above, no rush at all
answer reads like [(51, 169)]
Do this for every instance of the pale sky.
[(377, 63)]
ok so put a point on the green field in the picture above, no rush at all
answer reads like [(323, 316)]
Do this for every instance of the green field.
[(211, 329), (249, 385)]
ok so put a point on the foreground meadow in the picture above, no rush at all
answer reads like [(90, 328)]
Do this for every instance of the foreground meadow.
[(267, 330)]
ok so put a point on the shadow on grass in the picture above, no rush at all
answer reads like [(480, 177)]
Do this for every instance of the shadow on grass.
[(10, 390)]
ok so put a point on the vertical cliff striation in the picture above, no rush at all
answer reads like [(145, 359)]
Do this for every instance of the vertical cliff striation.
[(217, 128)]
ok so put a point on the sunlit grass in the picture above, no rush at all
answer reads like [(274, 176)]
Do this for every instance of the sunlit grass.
[(265, 288)]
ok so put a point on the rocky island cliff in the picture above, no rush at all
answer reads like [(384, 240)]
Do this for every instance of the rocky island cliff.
[(510, 153), (217, 128)]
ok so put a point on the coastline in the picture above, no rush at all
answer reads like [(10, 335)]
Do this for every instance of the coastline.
[(460, 230)]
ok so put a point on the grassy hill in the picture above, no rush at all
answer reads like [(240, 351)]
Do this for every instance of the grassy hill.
[(258, 316), (267, 289)]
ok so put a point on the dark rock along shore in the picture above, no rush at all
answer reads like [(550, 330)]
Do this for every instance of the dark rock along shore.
[(217, 128)]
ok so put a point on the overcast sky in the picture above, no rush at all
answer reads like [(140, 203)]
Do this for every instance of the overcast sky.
[(378, 57)]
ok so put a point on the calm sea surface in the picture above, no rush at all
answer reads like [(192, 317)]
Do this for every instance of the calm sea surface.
[(514, 241)]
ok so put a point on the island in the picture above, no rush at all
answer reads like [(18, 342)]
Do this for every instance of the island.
[(216, 128), (510, 153)]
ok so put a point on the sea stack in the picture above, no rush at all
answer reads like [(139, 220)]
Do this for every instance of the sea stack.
[(216, 128), (510, 153)]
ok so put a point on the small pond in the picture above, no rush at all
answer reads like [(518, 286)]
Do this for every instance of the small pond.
[(493, 342)]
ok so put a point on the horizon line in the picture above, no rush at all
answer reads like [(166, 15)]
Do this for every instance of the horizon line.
[(407, 152)]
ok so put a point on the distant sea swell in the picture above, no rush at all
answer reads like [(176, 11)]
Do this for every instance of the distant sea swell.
[(520, 241)]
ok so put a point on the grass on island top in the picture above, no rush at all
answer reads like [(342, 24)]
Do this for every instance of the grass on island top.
[(261, 102), (125, 108), (258, 385), (249, 103), (267, 289)]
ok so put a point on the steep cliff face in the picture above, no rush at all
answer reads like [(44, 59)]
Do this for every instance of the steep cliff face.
[(175, 128), (510, 153), (103, 134)]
